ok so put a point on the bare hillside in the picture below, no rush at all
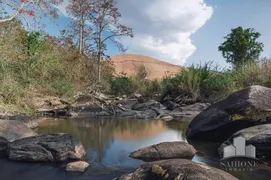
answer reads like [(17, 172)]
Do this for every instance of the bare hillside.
[(130, 63)]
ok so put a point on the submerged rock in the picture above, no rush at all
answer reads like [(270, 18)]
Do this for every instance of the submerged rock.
[(240, 110), (52, 148), (79, 166), (165, 150), (258, 136), (14, 129), (177, 169)]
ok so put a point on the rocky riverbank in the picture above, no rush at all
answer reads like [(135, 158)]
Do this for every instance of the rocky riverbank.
[(169, 107), (248, 108)]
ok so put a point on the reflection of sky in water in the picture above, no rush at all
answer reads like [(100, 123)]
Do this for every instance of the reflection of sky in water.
[(119, 150)]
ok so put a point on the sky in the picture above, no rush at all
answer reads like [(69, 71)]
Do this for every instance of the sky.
[(184, 32)]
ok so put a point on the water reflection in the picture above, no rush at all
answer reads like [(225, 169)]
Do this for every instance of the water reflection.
[(110, 141)]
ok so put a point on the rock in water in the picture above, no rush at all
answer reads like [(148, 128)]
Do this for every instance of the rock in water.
[(79, 166), (52, 148), (3, 146), (240, 110), (258, 136), (177, 169), (187, 113), (14, 129), (165, 150), (148, 105)]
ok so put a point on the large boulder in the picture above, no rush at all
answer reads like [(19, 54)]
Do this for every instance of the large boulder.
[(165, 150), (177, 169), (258, 136), (241, 109), (52, 148), (14, 129)]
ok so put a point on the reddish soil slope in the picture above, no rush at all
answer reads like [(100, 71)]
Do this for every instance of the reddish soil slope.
[(129, 64)]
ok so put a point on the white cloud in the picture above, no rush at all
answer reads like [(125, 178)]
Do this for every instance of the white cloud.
[(162, 28)]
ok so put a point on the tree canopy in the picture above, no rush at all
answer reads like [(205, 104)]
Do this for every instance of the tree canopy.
[(241, 46)]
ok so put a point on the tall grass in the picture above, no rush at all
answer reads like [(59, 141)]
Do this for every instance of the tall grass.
[(209, 83), (253, 74), (201, 81), (43, 64)]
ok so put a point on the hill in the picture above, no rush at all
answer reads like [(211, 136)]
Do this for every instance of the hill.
[(130, 63)]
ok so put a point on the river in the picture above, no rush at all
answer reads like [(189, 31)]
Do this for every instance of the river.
[(108, 143)]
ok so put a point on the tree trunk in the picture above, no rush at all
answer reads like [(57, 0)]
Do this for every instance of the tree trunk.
[(99, 57), (81, 48)]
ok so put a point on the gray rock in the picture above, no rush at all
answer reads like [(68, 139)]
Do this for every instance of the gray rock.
[(258, 136), (240, 110), (52, 148), (31, 123), (79, 166), (3, 146), (165, 150), (147, 114), (128, 104), (197, 107), (148, 105), (14, 129), (187, 113), (128, 113), (177, 169), (167, 118)]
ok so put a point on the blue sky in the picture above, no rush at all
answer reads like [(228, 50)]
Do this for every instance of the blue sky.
[(230, 14), (184, 31)]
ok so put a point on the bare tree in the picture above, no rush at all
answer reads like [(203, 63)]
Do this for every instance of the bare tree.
[(26, 7), (80, 10), (104, 20)]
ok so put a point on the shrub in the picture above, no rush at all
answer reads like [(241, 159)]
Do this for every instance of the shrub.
[(121, 85), (253, 74), (202, 82), (62, 87), (153, 87)]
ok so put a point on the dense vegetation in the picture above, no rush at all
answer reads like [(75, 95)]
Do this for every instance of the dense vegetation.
[(35, 64)]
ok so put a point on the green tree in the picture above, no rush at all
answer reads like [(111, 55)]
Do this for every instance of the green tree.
[(241, 46)]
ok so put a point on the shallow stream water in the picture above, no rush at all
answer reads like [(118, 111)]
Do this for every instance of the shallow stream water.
[(108, 143)]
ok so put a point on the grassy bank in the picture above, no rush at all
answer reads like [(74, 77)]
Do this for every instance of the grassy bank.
[(35, 64), (204, 82)]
